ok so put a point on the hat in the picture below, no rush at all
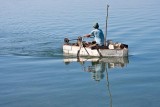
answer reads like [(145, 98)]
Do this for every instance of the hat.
[(96, 26)]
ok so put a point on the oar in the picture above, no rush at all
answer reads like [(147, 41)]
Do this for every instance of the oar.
[(99, 53), (81, 44), (86, 50)]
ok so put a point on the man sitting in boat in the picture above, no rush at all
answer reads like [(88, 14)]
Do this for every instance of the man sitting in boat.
[(97, 34)]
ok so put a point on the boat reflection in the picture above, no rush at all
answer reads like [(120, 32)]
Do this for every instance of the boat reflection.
[(99, 68)]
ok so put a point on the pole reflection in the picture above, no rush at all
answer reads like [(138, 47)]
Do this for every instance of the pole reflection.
[(98, 67)]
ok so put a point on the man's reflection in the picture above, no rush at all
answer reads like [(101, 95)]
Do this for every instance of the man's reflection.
[(98, 66), (97, 69)]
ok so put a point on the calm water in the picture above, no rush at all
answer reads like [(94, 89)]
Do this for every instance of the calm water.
[(34, 73)]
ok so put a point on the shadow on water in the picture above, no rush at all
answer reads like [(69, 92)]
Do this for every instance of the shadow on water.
[(98, 67)]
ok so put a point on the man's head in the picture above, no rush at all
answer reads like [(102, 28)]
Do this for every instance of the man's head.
[(96, 26)]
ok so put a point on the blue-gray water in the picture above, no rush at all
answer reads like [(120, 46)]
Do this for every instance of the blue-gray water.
[(32, 68)]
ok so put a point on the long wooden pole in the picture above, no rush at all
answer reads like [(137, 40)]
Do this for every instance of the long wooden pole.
[(105, 39)]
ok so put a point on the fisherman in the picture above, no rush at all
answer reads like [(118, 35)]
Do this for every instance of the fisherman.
[(97, 34)]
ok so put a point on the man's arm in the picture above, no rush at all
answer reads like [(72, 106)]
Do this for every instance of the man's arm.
[(87, 35)]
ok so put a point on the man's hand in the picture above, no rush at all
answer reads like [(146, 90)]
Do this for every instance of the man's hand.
[(87, 35)]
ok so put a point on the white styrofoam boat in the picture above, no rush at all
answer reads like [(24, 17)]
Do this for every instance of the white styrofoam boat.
[(112, 49)]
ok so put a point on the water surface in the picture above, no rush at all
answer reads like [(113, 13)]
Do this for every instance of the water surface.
[(34, 72)]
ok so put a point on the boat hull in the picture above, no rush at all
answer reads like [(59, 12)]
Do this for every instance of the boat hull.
[(87, 51)]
